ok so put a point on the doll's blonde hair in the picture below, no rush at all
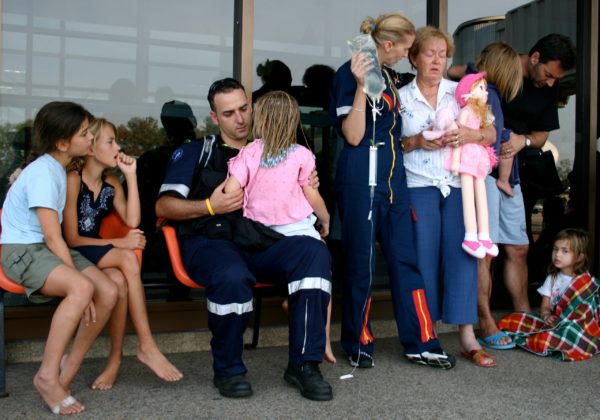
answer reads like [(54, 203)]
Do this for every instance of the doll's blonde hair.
[(393, 27), (276, 118), (95, 128), (479, 107)]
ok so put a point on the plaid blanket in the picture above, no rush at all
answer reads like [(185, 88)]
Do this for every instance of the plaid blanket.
[(576, 334)]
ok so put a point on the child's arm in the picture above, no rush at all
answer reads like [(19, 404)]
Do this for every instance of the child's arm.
[(53, 236), (316, 202), (546, 311), (128, 208), (232, 184)]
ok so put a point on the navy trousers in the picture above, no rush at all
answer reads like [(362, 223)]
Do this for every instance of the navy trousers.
[(228, 274), (392, 227)]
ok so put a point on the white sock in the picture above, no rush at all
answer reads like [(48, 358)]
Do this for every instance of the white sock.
[(484, 236), (471, 237)]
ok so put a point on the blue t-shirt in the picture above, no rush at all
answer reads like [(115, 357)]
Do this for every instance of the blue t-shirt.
[(43, 183)]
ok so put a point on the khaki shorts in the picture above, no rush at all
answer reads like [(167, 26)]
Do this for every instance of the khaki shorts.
[(506, 215), (31, 264)]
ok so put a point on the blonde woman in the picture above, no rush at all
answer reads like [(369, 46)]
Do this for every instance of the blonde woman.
[(381, 213)]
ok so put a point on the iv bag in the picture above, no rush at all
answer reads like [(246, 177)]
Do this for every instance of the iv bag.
[(374, 83)]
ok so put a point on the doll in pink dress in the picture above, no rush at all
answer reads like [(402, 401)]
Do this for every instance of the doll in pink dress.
[(474, 162)]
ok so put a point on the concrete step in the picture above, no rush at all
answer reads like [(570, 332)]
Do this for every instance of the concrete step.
[(30, 350)]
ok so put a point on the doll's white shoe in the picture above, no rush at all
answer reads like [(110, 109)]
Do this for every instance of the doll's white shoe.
[(474, 248), (491, 248)]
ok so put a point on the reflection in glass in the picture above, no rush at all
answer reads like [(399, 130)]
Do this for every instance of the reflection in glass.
[(120, 65)]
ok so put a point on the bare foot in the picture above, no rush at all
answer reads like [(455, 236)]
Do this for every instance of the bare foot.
[(55, 397), (328, 356), (67, 372), (159, 364), (505, 187), (107, 378)]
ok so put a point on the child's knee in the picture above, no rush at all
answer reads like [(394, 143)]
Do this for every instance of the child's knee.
[(106, 293), (130, 265), (82, 291), (119, 280)]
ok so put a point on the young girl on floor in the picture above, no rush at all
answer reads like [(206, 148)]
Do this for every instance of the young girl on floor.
[(91, 195), (274, 171), (474, 162), (569, 313), (35, 255)]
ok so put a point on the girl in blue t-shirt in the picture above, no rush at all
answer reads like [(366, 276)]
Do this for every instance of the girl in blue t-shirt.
[(91, 195), (35, 255)]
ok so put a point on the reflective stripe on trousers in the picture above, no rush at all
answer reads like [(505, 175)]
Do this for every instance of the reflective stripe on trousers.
[(309, 283), (229, 308)]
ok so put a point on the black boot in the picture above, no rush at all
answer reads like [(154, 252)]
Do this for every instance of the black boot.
[(233, 386), (307, 377)]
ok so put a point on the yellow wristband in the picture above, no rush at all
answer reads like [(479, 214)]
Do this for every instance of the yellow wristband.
[(209, 207)]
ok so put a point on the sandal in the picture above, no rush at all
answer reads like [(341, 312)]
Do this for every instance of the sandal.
[(480, 357)]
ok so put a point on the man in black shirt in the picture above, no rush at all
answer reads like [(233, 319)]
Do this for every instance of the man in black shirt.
[(530, 116)]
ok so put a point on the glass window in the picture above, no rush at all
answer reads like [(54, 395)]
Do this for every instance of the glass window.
[(520, 23), (316, 32), (122, 66)]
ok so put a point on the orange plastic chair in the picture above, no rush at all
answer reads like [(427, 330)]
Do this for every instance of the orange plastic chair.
[(181, 274), (112, 226)]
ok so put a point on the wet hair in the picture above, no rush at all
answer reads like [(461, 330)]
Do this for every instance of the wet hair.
[(393, 27), (55, 121), (556, 47), (222, 86), (95, 128), (578, 243), (503, 68), (276, 117), (425, 34)]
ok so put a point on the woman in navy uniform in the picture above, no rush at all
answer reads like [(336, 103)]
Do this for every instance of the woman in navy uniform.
[(385, 215)]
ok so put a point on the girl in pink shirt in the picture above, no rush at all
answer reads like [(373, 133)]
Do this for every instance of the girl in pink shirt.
[(273, 170)]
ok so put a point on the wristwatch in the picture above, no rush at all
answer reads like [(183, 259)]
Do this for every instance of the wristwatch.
[(527, 142)]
